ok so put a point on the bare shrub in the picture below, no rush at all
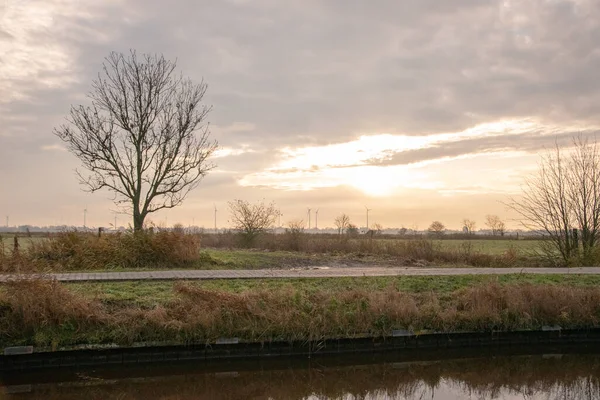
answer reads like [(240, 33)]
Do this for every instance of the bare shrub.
[(436, 228), (497, 226), (252, 220), (294, 235), (81, 251)]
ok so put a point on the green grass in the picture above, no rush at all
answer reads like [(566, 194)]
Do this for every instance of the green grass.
[(24, 242), (493, 247), (151, 293), (219, 259), (257, 259)]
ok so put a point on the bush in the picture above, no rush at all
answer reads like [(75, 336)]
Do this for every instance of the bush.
[(82, 251)]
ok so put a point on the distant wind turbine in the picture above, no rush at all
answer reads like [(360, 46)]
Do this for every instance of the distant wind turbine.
[(308, 218), (215, 217), (317, 219), (368, 209)]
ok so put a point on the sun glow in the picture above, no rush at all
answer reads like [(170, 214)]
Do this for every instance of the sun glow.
[(361, 163)]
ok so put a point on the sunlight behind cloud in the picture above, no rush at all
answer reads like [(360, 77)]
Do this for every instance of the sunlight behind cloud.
[(351, 163), (351, 153), (230, 151)]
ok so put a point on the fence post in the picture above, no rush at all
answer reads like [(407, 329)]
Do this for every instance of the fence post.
[(575, 240), (16, 245)]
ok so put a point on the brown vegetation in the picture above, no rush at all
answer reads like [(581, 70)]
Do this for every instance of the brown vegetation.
[(86, 251), (47, 313)]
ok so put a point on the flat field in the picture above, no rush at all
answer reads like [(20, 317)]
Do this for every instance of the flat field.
[(72, 254), (490, 246)]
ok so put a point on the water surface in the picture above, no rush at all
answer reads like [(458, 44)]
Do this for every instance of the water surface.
[(452, 376)]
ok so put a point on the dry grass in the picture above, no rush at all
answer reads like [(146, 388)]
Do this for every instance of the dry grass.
[(47, 313), (85, 251)]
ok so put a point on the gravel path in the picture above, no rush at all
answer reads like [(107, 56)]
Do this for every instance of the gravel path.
[(309, 272)]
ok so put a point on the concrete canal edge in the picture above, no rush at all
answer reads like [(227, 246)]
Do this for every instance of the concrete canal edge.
[(27, 358)]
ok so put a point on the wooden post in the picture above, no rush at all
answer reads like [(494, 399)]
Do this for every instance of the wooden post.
[(99, 232), (16, 245)]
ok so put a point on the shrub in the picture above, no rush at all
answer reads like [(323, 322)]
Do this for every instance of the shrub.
[(81, 251)]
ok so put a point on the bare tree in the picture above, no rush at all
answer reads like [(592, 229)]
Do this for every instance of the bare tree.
[(497, 226), (352, 230), (437, 228), (377, 228), (342, 222), (469, 224), (143, 137), (563, 199), (295, 234), (252, 219)]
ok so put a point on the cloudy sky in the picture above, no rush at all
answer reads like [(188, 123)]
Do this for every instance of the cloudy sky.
[(420, 110)]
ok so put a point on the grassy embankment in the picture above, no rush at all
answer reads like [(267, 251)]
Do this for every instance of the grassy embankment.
[(51, 314), (175, 250)]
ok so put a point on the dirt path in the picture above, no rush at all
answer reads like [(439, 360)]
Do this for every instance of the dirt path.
[(308, 272)]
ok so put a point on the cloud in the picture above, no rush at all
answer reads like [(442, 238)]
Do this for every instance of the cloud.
[(384, 165), (53, 147), (522, 142), (230, 152), (310, 95)]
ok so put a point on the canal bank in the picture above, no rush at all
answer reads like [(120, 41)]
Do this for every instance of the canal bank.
[(29, 358)]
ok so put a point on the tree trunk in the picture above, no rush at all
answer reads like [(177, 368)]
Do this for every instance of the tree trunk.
[(138, 219)]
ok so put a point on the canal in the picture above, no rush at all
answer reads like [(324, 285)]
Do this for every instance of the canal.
[(557, 373)]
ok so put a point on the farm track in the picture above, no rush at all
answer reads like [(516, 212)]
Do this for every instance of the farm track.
[(305, 272)]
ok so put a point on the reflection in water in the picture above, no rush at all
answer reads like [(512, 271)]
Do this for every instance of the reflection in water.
[(513, 377)]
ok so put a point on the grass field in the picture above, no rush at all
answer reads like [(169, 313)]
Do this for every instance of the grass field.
[(487, 246), (152, 293), (490, 246), (24, 242), (164, 250)]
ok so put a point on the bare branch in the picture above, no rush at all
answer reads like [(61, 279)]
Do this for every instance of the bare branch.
[(252, 219), (144, 137), (563, 200), (342, 222)]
